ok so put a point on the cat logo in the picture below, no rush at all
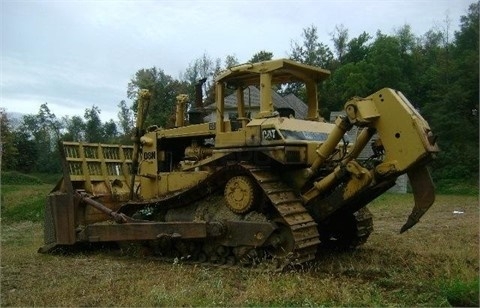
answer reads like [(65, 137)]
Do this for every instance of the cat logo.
[(269, 134)]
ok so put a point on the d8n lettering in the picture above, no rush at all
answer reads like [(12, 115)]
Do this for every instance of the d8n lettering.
[(149, 155)]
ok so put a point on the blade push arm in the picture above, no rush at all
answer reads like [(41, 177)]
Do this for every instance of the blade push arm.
[(405, 139)]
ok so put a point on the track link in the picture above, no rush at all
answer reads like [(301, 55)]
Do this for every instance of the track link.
[(364, 226), (293, 214)]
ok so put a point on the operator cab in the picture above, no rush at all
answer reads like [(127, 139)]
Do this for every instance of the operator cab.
[(264, 75)]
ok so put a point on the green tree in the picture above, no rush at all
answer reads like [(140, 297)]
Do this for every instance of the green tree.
[(208, 68), (340, 42), (110, 131), (352, 76), (163, 89), (93, 125), (453, 104), (74, 128), (43, 129), (349, 80), (466, 54), (357, 48), (261, 56), (9, 152), (310, 50), (126, 120), (28, 153), (205, 67), (385, 55), (230, 60)]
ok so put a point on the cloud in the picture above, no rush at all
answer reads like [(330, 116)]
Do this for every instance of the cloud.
[(60, 106), (68, 88), (75, 54)]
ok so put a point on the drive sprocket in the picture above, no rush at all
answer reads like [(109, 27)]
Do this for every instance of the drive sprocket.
[(241, 194)]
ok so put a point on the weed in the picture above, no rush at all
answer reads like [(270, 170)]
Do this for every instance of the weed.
[(17, 178), (20, 204), (456, 187), (48, 178), (461, 293)]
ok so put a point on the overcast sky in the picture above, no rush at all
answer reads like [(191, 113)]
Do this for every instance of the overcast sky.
[(76, 54)]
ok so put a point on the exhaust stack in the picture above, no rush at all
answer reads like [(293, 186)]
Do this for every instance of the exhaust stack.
[(196, 113)]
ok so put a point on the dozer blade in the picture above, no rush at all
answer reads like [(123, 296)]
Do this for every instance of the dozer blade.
[(423, 193)]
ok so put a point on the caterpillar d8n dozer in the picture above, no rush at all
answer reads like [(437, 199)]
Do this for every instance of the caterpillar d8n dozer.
[(237, 191)]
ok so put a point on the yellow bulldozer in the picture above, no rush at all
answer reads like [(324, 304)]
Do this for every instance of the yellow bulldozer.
[(263, 187)]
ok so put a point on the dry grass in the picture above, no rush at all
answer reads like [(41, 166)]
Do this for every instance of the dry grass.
[(434, 264)]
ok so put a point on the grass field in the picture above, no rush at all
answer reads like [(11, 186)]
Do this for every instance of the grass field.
[(434, 264)]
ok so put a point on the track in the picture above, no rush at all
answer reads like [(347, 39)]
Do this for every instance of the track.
[(297, 237), (347, 230), (300, 225)]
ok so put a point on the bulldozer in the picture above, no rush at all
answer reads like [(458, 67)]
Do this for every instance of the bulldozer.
[(260, 187)]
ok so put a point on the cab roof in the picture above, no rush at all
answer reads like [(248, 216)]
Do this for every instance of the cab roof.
[(282, 70)]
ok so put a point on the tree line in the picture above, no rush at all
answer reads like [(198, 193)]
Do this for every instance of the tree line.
[(437, 72)]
